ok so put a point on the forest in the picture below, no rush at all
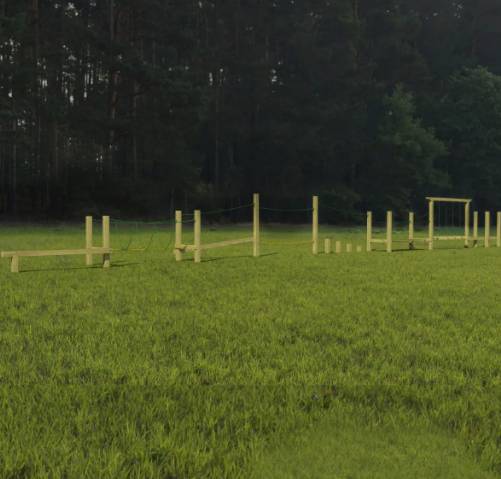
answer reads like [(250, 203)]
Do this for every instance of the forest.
[(135, 107)]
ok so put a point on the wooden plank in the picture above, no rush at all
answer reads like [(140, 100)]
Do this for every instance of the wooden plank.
[(487, 229), (256, 227), (448, 200), (448, 238), (498, 230), (315, 225), (431, 223), (475, 228), (178, 253), (89, 259), (411, 230), (379, 241), (198, 236), (63, 252), (369, 231), (467, 225), (106, 242), (328, 246), (389, 232)]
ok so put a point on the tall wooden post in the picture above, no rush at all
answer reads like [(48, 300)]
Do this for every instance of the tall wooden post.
[(256, 226), (431, 224), (498, 232), (487, 229), (467, 225), (198, 236), (475, 228), (179, 236), (315, 225), (88, 241), (106, 241), (369, 231), (411, 230), (389, 231)]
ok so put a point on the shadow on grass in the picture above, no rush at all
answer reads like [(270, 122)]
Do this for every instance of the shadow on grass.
[(79, 268)]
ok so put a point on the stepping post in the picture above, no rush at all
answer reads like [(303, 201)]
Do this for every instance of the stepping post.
[(349, 248), (315, 225), (359, 249), (14, 264), (198, 236), (467, 225), (431, 224), (369, 231), (487, 229), (389, 231), (106, 241), (89, 259), (328, 246), (411, 230), (475, 228), (256, 226), (179, 236), (338, 247)]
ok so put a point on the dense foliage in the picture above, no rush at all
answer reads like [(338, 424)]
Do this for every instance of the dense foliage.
[(139, 105)]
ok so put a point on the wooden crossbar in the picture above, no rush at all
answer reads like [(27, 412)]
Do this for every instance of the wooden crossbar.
[(65, 252), (448, 200), (221, 244), (379, 241)]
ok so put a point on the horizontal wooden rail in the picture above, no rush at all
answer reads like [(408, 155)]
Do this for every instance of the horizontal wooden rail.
[(65, 252), (221, 244), (379, 241), (449, 200)]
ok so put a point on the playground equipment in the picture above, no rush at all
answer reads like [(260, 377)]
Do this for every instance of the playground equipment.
[(180, 248), (89, 251)]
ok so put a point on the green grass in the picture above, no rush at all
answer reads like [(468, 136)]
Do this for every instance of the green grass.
[(161, 370)]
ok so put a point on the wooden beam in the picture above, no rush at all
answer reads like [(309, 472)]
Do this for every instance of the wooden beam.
[(256, 226), (63, 252), (89, 259), (315, 225), (178, 253), (448, 200), (221, 244), (369, 231), (198, 236)]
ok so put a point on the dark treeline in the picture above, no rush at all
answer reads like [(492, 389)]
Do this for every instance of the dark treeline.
[(135, 106)]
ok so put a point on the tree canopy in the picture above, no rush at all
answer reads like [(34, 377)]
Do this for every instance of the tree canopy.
[(133, 106)]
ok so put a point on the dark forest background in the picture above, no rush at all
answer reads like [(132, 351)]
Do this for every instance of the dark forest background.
[(137, 106)]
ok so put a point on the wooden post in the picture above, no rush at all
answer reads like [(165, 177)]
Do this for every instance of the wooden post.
[(106, 241), (338, 247), (198, 236), (369, 231), (389, 231), (256, 227), (359, 249), (315, 225), (475, 228), (498, 232), (431, 224), (487, 229), (328, 246), (89, 258), (411, 230), (179, 236), (14, 264), (349, 248), (467, 225)]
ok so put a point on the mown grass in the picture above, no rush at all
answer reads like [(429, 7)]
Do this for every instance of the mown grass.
[(161, 370)]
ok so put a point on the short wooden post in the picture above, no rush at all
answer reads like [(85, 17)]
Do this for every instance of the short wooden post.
[(487, 229), (106, 241), (179, 236), (359, 249), (256, 226), (349, 248), (89, 259), (498, 232), (14, 264), (198, 236), (475, 228), (431, 224), (467, 225), (338, 247), (389, 231), (328, 246), (411, 230), (315, 225), (369, 231)]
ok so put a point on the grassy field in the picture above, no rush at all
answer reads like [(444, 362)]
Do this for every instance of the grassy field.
[(340, 366)]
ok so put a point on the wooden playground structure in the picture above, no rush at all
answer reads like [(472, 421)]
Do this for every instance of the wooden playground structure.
[(89, 251)]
